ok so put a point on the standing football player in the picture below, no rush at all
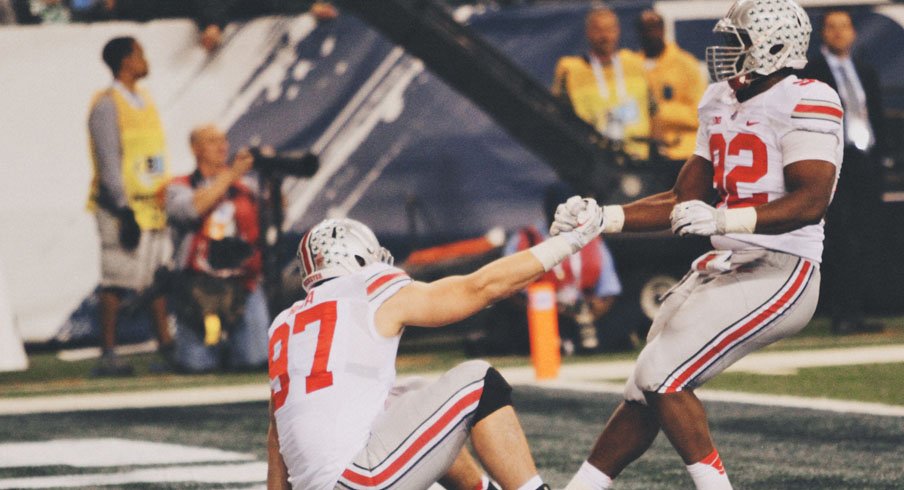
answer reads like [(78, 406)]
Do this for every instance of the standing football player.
[(337, 421), (767, 157)]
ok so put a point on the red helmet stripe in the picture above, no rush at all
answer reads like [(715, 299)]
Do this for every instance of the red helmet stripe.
[(307, 258)]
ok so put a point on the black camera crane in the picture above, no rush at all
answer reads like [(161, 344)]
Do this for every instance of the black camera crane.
[(576, 151), (271, 170)]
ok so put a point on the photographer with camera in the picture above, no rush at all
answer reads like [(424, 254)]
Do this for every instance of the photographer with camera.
[(221, 309)]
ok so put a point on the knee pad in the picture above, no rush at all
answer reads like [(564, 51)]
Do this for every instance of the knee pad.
[(497, 393)]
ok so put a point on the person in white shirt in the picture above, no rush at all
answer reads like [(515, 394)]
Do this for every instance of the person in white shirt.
[(852, 227)]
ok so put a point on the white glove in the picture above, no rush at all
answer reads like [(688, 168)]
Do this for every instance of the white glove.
[(577, 221), (697, 218), (567, 214), (584, 225)]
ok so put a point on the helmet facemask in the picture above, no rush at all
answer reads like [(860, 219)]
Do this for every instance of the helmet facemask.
[(336, 247), (760, 38), (727, 60)]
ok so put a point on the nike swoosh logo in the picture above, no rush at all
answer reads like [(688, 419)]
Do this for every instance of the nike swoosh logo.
[(751, 123)]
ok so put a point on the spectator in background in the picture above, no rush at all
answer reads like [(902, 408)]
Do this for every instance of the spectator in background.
[(213, 15), (851, 225), (41, 11), (607, 87), (7, 12), (219, 298), (130, 173), (586, 285), (676, 84)]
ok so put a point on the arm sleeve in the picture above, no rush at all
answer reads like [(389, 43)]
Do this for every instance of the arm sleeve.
[(807, 145), (702, 147), (104, 132), (383, 283), (558, 83), (179, 203)]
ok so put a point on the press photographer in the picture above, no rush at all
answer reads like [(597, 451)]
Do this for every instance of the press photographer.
[(221, 310)]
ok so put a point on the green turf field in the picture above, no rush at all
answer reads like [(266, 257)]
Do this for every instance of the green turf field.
[(881, 383), (770, 448), (764, 447)]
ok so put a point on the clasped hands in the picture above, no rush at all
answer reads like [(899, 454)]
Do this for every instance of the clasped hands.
[(585, 217)]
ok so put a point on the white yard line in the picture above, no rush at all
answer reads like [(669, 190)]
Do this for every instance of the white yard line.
[(597, 377), (215, 395), (231, 473)]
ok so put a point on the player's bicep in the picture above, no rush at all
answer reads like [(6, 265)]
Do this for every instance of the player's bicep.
[(695, 181), (427, 305), (813, 178)]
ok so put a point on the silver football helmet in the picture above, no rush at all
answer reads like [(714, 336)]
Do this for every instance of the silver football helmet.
[(761, 37), (336, 247)]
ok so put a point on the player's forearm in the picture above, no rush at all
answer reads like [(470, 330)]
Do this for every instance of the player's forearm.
[(789, 213), (206, 198), (503, 277), (650, 213), (455, 298)]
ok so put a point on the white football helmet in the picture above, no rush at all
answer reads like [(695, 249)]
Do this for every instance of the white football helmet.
[(761, 37), (336, 247)]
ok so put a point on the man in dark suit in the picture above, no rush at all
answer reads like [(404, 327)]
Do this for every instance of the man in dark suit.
[(851, 222)]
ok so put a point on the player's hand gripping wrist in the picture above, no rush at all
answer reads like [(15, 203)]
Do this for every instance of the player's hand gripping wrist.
[(577, 221), (698, 218)]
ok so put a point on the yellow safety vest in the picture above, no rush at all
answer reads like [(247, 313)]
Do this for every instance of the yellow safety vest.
[(575, 77), (677, 84), (145, 170)]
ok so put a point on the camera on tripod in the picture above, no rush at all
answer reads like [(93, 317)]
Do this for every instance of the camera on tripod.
[(296, 163)]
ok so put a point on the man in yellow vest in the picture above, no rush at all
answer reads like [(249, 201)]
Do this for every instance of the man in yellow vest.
[(608, 86), (127, 196), (676, 83)]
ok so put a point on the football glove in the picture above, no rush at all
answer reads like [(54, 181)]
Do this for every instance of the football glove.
[(566, 217), (698, 218), (583, 225), (129, 232)]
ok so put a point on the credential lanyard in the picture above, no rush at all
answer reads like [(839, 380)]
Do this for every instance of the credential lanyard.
[(621, 91)]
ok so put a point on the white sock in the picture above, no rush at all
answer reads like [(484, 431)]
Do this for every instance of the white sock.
[(532, 484), (589, 477), (484, 482), (709, 474)]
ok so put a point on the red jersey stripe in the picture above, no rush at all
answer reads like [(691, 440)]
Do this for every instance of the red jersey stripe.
[(740, 332), (382, 280), (819, 109), (701, 266), (434, 430)]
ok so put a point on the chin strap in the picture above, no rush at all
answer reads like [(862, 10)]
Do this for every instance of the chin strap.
[(738, 83)]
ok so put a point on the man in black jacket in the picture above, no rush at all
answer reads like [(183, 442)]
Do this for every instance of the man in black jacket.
[(851, 222)]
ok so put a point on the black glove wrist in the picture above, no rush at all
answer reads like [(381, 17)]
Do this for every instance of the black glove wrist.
[(129, 231)]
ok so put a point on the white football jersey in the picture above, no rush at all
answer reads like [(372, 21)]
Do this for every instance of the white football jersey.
[(743, 141), (331, 372)]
